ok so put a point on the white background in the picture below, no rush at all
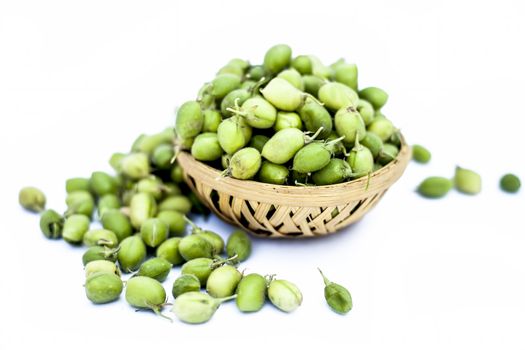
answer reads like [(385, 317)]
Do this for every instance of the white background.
[(80, 80)]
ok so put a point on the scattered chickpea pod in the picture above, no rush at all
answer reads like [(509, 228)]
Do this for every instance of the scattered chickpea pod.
[(213, 238), (75, 226), (467, 181), (117, 222), (169, 250), (251, 293), (80, 202), (97, 266), (337, 296), (108, 202), (239, 245), (420, 154), (184, 284), (510, 183), (100, 237), (196, 307), (100, 253), (51, 224), (284, 295), (103, 287), (153, 232), (131, 253), (157, 268), (223, 281), (32, 199), (145, 292), (77, 184), (435, 187)]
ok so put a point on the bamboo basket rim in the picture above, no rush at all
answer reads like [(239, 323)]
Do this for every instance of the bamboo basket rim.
[(299, 196)]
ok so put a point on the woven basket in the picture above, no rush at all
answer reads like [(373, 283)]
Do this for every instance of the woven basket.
[(276, 211)]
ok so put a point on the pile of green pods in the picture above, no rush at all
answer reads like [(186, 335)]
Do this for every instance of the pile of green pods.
[(288, 121), (136, 229)]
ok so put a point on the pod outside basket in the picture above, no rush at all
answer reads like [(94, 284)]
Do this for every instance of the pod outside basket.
[(276, 211)]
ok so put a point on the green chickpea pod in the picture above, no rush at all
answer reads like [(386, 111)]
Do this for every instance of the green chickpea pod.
[(284, 295), (510, 183), (146, 293), (213, 238), (435, 187), (196, 307), (467, 181), (337, 296), (32, 199)]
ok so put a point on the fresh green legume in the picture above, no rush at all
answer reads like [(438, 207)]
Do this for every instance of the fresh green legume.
[(75, 226), (156, 268), (337, 296), (223, 281), (420, 154), (99, 253), (251, 293), (239, 245), (32, 199), (131, 253), (467, 181), (184, 284), (153, 232), (117, 222), (103, 287), (510, 183), (196, 307), (284, 295), (435, 187)]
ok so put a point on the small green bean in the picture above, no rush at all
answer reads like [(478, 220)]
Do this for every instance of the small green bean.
[(420, 154), (32, 199), (75, 226), (51, 224), (131, 253), (184, 284), (169, 250), (467, 181), (103, 287), (156, 268), (510, 183), (435, 187)]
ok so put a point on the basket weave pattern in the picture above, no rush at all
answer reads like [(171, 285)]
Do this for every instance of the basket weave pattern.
[(289, 211)]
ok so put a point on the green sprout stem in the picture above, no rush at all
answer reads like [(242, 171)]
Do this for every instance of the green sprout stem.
[(326, 280)]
